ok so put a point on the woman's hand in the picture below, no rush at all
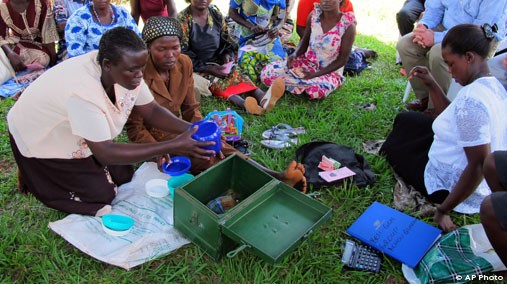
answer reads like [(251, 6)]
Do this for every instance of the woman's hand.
[(255, 29), (160, 160), (423, 74), (16, 62), (290, 61), (444, 221), (273, 32), (220, 155), (215, 70), (228, 58), (185, 145), (309, 75)]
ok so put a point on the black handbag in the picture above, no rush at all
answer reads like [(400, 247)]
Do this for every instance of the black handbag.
[(310, 155)]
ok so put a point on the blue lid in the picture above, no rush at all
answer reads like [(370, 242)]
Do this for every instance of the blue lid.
[(117, 222), (179, 165)]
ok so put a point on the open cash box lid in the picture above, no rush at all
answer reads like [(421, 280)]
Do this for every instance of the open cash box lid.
[(276, 223)]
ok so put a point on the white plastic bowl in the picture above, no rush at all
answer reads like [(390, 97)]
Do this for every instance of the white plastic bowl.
[(157, 188)]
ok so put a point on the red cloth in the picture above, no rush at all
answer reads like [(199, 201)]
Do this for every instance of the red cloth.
[(234, 90), (150, 8), (306, 6)]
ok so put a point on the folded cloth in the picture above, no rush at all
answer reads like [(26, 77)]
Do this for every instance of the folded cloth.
[(24, 79), (153, 234)]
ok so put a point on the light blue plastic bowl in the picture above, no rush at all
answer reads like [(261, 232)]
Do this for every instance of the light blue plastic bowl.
[(177, 181), (117, 225)]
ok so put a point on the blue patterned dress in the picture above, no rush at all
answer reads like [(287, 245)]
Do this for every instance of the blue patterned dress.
[(83, 33), (266, 14)]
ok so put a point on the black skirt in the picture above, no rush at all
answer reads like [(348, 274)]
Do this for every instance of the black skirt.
[(406, 147), (81, 186)]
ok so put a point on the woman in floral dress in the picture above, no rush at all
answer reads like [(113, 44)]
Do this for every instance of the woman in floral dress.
[(206, 41), (317, 65)]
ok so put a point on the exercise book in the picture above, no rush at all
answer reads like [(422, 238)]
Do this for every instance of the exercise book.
[(394, 233)]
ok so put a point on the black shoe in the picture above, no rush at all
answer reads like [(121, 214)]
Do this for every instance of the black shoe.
[(242, 146)]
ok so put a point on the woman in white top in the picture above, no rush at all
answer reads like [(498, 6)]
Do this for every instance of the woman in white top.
[(64, 148), (466, 130)]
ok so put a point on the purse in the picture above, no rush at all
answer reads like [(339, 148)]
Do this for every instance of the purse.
[(310, 155)]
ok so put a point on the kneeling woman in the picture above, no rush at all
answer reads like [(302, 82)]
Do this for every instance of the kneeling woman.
[(315, 68), (443, 159), (166, 72), (65, 152), (206, 41)]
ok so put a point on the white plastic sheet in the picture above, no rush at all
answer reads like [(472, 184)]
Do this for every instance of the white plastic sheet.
[(152, 236)]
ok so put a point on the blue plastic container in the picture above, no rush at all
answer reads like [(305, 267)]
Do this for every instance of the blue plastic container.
[(178, 166), (208, 131)]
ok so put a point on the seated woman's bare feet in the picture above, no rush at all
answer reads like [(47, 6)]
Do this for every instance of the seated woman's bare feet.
[(294, 175), (273, 94), (253, 107)]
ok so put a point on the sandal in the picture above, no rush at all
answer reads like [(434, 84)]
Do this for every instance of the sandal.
[(279, 142), (283, 129)]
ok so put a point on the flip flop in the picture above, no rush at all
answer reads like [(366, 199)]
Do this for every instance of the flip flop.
[(283, 129), (280, 143)]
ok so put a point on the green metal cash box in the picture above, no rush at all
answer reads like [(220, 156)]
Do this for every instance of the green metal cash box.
[(270, 220)]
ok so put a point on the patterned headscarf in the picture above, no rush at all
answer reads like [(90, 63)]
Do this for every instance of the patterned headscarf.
[(159, 26)]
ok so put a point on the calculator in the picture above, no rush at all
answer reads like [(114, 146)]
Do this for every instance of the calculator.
[(360, 257)]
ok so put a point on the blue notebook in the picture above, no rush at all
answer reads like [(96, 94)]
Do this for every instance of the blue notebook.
[(394, 233)]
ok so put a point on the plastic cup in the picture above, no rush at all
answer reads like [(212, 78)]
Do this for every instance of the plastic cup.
[(208, 131)]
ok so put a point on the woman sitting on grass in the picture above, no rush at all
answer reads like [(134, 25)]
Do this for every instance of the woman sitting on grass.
[(27, 33), (85, 27), (206, 41), (443, 159), (165, 74), (65, 151), (316, 66), (259, 23)]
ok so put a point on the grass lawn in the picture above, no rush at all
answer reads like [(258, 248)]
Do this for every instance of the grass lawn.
[(30, 252)]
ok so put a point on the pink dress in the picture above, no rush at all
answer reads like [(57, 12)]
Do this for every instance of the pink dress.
[(322, 50)]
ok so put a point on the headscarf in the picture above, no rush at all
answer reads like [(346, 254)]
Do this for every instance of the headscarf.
[(159, 26)]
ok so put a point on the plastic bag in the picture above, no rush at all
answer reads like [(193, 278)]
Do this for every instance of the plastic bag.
[(230, 122)]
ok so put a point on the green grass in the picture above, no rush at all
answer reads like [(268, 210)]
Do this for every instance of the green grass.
[(31, 253)]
